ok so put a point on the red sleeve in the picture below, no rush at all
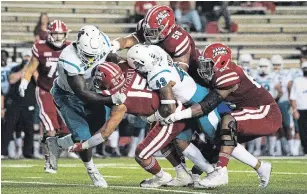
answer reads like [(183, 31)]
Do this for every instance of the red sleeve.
[(35, 50), (139, 33), (226, 79), (178, 43)]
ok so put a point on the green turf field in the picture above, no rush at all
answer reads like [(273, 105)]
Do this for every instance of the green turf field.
[(123, 176)]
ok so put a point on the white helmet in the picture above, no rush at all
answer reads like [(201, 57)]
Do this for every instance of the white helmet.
[(277, 62), (245, 60), (264, 66), (144, 57), (92, 44)]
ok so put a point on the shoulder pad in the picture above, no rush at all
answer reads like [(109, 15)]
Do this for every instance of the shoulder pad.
[(70, 61), (226, 79), (178, 43), (159, 77)]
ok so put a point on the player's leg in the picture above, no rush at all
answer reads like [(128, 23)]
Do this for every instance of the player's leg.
[(27, 118), (157, 138)]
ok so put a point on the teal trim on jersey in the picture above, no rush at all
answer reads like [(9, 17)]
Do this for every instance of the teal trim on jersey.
[(180, 72), (105, 38), (75, 66), (165, 70)]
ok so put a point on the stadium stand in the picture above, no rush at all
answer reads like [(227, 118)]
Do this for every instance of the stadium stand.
[(261, 35)]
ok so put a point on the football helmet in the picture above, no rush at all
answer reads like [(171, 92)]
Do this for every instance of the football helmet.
[(92, 45), (277, 62), (158, 23), (214, 57), (264, 67), (245, 60), (57, 33), (108, 78), (144, 57)]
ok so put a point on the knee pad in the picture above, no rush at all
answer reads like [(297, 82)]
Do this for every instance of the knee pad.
[(231, 132)]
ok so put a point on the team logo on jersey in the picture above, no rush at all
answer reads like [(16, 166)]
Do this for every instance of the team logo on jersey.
[(161, 16), (219, 51)]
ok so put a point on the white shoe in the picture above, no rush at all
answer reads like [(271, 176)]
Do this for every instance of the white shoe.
[(97, 178), (12, 150), (196, 180), (216, 178), (72, 155), (264, 173), (183, 178), (38, 156), (48, 168), (156, 181), (54, 151)]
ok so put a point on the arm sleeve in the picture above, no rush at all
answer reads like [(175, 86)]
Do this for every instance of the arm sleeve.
[(293, 91)]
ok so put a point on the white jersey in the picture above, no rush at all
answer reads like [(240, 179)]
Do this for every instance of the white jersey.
[(161, 75), (5, 73), (71, 63), (285, 76), (268, 82)]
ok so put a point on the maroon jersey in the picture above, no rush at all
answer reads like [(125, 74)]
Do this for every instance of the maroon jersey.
[(48, 57), (249, 93), (140, 100), (176, 44)]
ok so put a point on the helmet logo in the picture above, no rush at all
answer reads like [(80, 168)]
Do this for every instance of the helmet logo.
[(219, 51), (80, 33), (161, 16)]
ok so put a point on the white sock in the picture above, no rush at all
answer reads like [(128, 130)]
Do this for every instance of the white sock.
[(180, 168), (36, 146), (93, 141), (258, 144), (278, 147), (296, 145), (285, 145), (272, 143), (113, 139), (160, 174), (241, 154), (89, 165), (251, 146), (193, 153), (65, 142), (291, 145), (19, 142), (133, 144)]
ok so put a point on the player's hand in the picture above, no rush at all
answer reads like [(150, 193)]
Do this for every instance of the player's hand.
[(77, 147), (115, 46), (118, 98), (173, 117), (22, 87), (296, 115)]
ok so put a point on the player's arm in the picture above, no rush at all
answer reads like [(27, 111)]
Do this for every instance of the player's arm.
[(30, 68), (183, 61), (78, 85), (2, 106), (124, 42), (208, 104), (117, 114), (279, 92)]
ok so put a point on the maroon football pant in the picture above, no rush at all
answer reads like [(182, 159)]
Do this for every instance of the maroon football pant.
[(253, 122), (48, 114), (157, 138)]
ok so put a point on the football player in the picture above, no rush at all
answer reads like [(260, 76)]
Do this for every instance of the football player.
[(270, 82), (246, 60), (256, 113), (159, 28), (44, 60), (81, 109)]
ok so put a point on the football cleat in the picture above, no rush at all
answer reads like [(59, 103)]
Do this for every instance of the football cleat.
[(196, 180), (217, 178), (183, 178), (156, 181), (264, 173), (54, 151), (97, 178)]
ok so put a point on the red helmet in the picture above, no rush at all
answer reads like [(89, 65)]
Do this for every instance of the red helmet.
[(57, 33), (158, 23), (108, 78), (214, 57)]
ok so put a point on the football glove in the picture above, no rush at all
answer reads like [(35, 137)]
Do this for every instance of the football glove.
[(22, 87)]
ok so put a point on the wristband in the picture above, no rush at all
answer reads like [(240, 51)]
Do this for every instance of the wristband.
[(168, 101)]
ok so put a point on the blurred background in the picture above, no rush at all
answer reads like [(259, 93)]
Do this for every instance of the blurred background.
[(255, 29)]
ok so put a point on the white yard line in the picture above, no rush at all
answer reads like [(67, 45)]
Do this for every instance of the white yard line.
[(125, 187)]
